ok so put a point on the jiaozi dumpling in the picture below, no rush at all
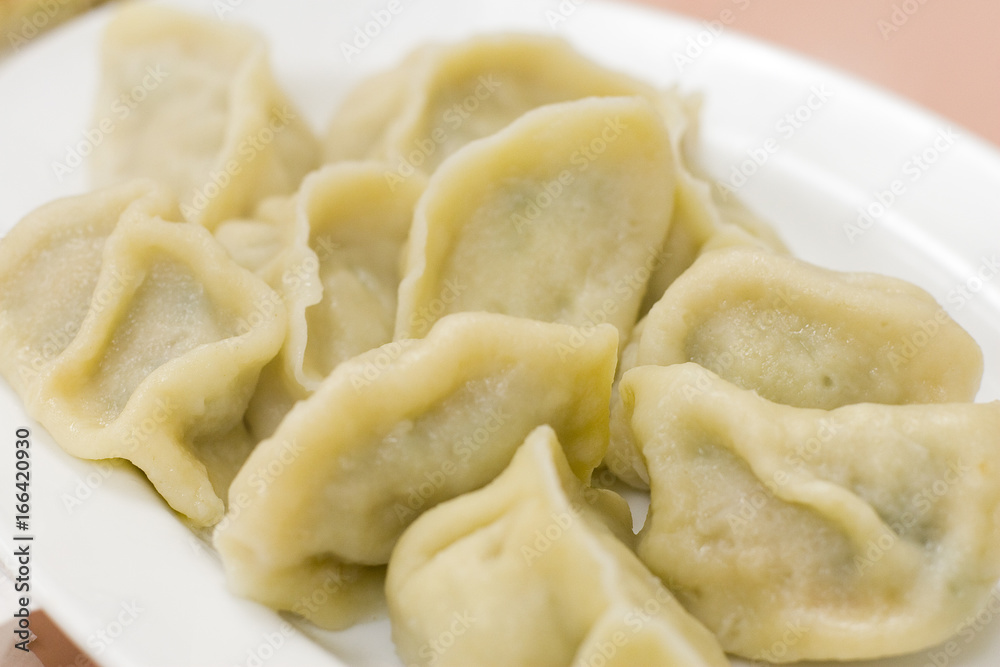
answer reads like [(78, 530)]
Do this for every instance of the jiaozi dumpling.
[(804, 534), (395, 431), (193, 104), (559, 217), (805, 336), (338, 275), (443, 96), (41, 309), (169, 348), (536, 569)]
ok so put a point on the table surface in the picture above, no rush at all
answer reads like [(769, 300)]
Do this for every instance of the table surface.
[(944, 56)]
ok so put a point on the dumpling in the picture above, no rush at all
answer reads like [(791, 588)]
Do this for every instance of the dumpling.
[(172, 338), (704, 218), (41, 309), (805, 534), (534, 570), (805, 336), (192, 103), (338, 274), (559, 217), (395, 431), (445, 95)]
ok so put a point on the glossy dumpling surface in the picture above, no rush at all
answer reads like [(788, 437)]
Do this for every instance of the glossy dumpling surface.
[(536, 569), (870, 529), (397, 430)]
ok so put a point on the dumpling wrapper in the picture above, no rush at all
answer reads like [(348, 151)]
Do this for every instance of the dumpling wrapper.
[(443, 96), (338, 272), (558, 218), (169, 348), (395, 431), (802, 335), (192, 103), (41, 309), (804, 534), (534, 570)]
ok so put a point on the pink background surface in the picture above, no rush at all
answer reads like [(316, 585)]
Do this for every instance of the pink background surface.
[(945, 54)]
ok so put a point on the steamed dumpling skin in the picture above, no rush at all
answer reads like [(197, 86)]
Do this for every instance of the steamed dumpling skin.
[(193, 104), (444, 96), (397, 430), (538, 570), (870, 529), (558, 218), (168, 350), (802, 335), (338, 272)]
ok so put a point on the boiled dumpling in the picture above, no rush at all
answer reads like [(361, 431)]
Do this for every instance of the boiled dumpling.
[(559, 217), (536, 570), (192, 103), (395, 431), (41, 309), (168, 350), (804, 336), (338, 273), (869, 530), (445, 95)]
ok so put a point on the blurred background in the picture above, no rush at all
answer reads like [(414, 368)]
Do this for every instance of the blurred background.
[(942, 55)]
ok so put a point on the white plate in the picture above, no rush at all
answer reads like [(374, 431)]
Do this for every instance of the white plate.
[(119, 553)]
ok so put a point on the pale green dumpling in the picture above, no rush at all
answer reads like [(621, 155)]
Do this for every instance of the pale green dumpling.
[(871, 530), (395, 431), (162, 339), (193, 104), (558, 217), (802, 335), (535, 569)]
